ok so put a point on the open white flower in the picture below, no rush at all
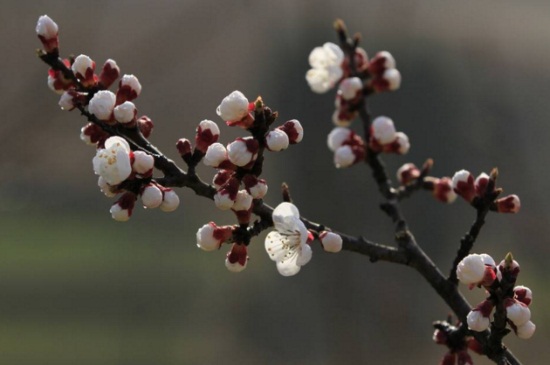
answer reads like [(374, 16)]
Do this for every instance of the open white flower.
[(287, 246), (326, 71), (113, 162)]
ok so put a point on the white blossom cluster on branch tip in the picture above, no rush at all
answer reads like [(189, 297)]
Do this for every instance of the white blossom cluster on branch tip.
[(499, 281)]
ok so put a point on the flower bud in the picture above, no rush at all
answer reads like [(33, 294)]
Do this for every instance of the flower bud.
[(526, 330), (472, 270), (129, 88), (508, 204), (208, 133), (234, 110), (170, 200), (83, 68), (215, 155), (478, 318), (243, 201), (463, 185), (517, 312), (508, 269), (383, 130), (125, 112), (225, 196), (381, 62), (145, 125), (256, 187), (331, 242), (221, 178), (67, 100), (109, 73), (392, 78), (347, 155), (443, 190), (151, 197), (523, 294), (242, 151), (237, 258), (293, 130), (407, 173), (184, 148), (143, 163), (122, 210), (350, 87), (464, 358), (210, 237), (47, 31), (91, 134), (337, 137), (102, 105), (277, 140), (480, 184), (401, 144)]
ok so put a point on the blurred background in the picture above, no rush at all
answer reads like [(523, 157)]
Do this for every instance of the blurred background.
[(80, 288)]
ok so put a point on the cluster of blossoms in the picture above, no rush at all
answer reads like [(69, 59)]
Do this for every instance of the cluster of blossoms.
[(473, 190), (121, 170), (500, 283), (441, 188)]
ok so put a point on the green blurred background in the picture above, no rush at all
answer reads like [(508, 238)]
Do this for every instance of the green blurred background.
[(79, 288)]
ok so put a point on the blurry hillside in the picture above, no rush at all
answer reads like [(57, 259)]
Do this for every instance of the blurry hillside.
[(79, 288)]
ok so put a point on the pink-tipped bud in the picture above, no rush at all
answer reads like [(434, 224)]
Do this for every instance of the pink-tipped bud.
[(526, 330), (143, 164), (145, 125), (472, 270), (102, 105), (508, 204), (84, 68), (293, 130), (208, 133), (443, 190), (125, 113), (523, 294), (151, 197), (331, 242), (184, 148), (277, 140), (210, 237), (480, 184), (109, 73), (225, 196), (71, 98), (349, 88), (407, 173), (381, 62), (129, 88), (242, 151), (237, 258), (122, 210), (463, 185), (170, 200), (256, 187), (508, 269), (517, 312), (47, 31), (383, 130), (348, 155), (221, 178), (243, 201), (92, 134), (343, 117), (478, 318)]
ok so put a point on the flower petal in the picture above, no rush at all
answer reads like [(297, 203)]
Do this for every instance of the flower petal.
[(288, 267), (304, 256), (276, 246)]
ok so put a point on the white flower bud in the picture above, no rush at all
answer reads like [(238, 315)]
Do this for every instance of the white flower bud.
[(463, 185), (526, 330), (151, 197), (113, 162), (215, 155), (233, 107), (350, 87), (170, 201), (523, 294), (205, 237), (259, 190), (223, 201), (477, 321), (239, 153), (393, 77), (319, 80), (403, 141), (102, 104), (125, 112), (277, 140), (46, 27), (119, 214), (337, 137), (331, 241), (243, 201), (81, 65), (132, 82), (235, 266), (383, 130), (206, 124), (143, 162), (389, 61), (517, 312), (66, 102), (293, 130), (344, 157), (471, 269), (326, 56)]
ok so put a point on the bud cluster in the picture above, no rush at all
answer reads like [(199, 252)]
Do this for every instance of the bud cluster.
[(499, 281)]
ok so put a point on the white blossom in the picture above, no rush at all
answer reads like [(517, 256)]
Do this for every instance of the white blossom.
[(393, 77), (46, 27), (233, 107), (331, 242), (215, 155), (239, 152), (132, 82), (119, 214), (66, 102), (471, 269), (108, 190), (102, 104), (243, 201), (287, 245), (403, 142), (326, 71), (349, 87), (125, 112), (143, 162), (113, 162), (518, 312)]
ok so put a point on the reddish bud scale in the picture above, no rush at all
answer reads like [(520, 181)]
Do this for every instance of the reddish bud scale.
[(440, 337), (508, 204), (521, 295), (408, 173), (89, 79), (485, 308), (51, 45), (481, 185), (238, 254), (145, 125), (243, 216), (289, 127), (222, 233), (222, 177), (231, 188), (379, 84), (443, 190), (95, 133), (244, 123), (249, 181), (125, 93), (464, 358), (60, 82), (489, 277), (184, 148), (448, 359), (108, 75), (205, 138), (475, 346), (127, 201), (466, 189)]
